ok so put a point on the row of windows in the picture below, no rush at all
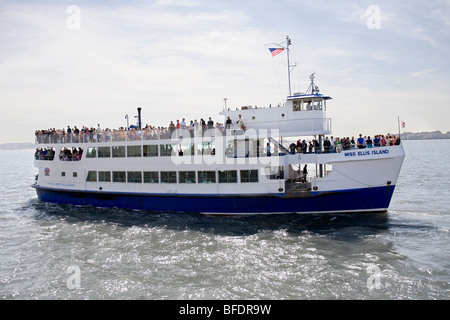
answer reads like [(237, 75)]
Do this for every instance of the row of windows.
[(164, 150), (227, 176)]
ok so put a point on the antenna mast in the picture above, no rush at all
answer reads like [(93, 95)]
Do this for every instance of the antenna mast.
[(288, 43), (290, 68)]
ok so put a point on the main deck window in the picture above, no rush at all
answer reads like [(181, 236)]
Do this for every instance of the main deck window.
[(134, 151), (151, 177), (118, 152), (104, 176), (92, 176), (150, 150), (166, 150), (104, 152), (91, 152), (168, 177), (206, 148), (119, 176), (206, 177), (134, 177), (228, 176), (186, 177), (249, 176), (186, 149)]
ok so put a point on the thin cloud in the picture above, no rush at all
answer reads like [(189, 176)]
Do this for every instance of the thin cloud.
[(181, 58)]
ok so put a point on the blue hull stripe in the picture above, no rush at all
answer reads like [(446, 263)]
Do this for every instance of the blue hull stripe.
[(375, 199)]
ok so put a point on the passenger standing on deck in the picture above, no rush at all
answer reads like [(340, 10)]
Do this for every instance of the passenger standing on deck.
[(240, 123), (361, 142), (171, 127), (338, 145), (327, 145), (377, 141), (191, 128), (228, 123), (69, 134), (304, 146), (210, 123), (369, 142), (332, 141), (76, 132), (268, 150), (317, 147), (383, 141), (196, 128), (305, 173), (99, 133)]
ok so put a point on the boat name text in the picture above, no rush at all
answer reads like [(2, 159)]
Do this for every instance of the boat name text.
[(365, 153), (60, 184)]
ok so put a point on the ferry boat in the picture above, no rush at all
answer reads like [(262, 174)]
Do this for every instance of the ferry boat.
[(251, 165)]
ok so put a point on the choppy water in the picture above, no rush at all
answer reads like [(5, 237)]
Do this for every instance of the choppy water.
[(50, 251)]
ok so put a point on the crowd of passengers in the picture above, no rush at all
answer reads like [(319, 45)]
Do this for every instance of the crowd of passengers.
[(66, 154), (194, 128), (332, 144), (86, 134)]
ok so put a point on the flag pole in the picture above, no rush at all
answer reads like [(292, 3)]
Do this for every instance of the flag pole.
[(275, 52), (399, 134), (288, 43)]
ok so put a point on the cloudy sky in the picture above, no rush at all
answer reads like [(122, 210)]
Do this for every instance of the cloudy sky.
[(88, 62)]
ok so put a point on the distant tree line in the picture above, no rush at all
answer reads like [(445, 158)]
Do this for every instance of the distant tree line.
[(425, 135)]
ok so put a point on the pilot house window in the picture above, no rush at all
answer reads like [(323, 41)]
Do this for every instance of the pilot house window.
[(296, 105), (306, 105)]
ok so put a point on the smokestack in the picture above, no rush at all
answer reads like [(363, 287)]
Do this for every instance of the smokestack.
[(139, 117)]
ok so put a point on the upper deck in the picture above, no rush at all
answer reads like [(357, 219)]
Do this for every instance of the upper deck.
[(300, 115)]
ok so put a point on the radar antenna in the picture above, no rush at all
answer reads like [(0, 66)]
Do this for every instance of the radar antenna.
[(312, 89)]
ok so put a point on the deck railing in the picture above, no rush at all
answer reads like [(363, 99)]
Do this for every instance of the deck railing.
[(106, 136)]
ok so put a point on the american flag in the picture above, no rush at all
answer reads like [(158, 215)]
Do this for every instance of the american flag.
[(276, 51)]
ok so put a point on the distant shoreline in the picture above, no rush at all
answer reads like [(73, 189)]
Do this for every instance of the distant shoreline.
[(432, 135), (17, 146)]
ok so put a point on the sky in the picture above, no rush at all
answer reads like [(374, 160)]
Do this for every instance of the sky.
[(93, 62)]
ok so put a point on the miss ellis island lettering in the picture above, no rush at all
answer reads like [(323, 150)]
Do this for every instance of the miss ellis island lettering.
[(365, 153), (233, 309)]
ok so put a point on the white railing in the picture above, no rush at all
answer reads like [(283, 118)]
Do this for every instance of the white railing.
[(317, 126), (61, 137)]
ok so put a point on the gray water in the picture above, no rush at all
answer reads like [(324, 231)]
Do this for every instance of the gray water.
[(50, 251)]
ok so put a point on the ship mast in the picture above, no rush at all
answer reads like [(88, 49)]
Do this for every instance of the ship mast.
[(288, 43), (290, 67)]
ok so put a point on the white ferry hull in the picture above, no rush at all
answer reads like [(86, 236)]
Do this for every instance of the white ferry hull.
[(343, 201), (360, 181)]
